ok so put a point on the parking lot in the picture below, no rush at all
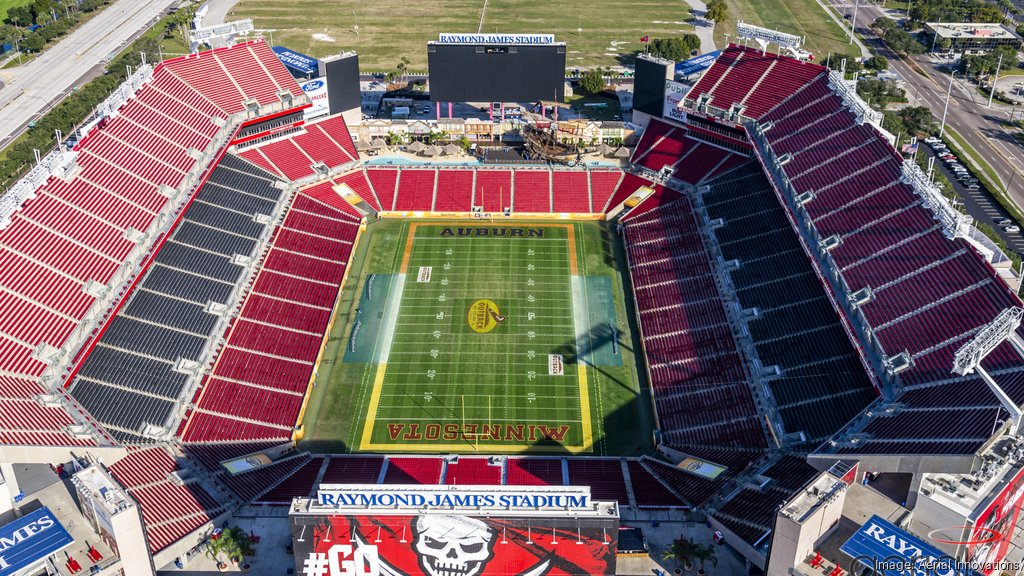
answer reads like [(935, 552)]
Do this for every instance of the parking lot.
[(978, 203)]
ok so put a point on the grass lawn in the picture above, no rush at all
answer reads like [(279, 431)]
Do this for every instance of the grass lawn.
[(501, 343), (390, 29), (799, 17), (6, 5)]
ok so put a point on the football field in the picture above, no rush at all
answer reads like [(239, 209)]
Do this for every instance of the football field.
[(481, 337)]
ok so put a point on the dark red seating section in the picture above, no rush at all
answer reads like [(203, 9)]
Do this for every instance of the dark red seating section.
[(293, 156), (697, 375), (648, 490), (169, 510), (353, 470), (570, 192), (459, 189), (454, 190), (603, 183), (473, 471), (930, 294), (73, 233), (413, 471), (693, 158), (493, 190), (255, 70), (249, 486), (532, 191), (756, 81), (534, 472), (604, 476), (300, 484), (416, 189), (260, 378)]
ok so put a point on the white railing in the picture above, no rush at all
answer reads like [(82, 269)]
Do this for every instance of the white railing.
[(124, 92), (954, 223), (851, 100), (56, 163)]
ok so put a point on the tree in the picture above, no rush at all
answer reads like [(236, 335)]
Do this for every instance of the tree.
[(876, 63), (230, 544), (33, 43), (681, 550), (20, 15), (592, 81), (464, 143), (704, 553), (669, 48), (717, 12)]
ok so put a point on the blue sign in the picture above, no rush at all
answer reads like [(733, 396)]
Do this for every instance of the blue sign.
[(296, 61), (313, 86), (891, 551), (30, 539), (697, 63)]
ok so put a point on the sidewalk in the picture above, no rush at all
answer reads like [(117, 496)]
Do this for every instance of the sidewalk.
[(704, 29)]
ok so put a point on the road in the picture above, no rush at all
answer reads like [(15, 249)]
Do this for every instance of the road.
[(981, 127), (33, 88)]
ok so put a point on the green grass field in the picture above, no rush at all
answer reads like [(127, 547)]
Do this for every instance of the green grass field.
[(6, 5), (509, 342), (391, 29), (800, 17)]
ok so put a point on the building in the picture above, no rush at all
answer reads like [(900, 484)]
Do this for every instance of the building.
[(468, 529), (971, 37)]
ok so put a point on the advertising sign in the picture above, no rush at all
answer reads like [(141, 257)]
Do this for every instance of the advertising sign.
[(891, 551), (452, 545), (990, 537), (30, 539), (496, 38), (675, 92), (317, 92)]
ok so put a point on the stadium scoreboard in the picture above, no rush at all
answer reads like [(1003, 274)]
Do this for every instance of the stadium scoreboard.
[(496, 68), (349, 530)]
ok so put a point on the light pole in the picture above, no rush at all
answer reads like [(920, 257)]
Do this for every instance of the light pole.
[(853, 22), (992, 89), (945, 109)]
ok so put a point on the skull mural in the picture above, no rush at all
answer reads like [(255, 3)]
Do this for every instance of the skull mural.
[(453, 545)]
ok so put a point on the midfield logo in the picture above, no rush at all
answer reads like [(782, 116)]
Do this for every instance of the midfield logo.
[(484, 316)]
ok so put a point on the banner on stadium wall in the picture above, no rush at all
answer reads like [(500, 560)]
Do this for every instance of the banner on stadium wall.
[(30, 539), (297, 61), (701, 468), (697, 63), (995, 526), (675, 92), (317, 92), (452, 545), (246, 463)]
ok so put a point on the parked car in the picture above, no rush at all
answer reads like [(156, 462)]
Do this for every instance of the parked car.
[(931, 140), (973, 186), (1011, 229), (1005, 222)]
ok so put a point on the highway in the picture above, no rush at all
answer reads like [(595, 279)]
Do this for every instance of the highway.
[(31, 89), (981, 127)]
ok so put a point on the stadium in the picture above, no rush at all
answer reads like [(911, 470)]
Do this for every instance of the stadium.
[(217, 308)]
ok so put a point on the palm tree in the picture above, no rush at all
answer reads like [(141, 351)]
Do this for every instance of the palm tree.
[(705, 553), (681, 550), (231, 543)]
